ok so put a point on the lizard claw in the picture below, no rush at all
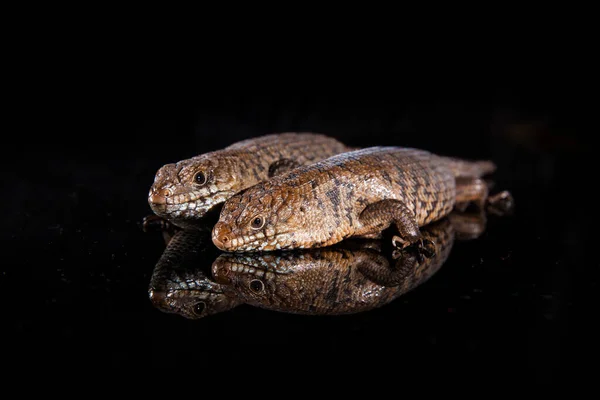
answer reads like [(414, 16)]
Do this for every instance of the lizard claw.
[(399, 243), (423, 247)]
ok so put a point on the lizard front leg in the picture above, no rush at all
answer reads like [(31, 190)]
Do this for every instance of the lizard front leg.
[(152, 223), (379, 216)]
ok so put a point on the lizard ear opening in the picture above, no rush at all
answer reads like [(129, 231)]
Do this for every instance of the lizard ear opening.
[(257, 222)]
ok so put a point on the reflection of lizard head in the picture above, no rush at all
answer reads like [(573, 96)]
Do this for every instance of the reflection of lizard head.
[(202, 301), (181, 282), (260, 278), (328, 281)]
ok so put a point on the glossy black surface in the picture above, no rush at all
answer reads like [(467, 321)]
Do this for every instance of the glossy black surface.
[(514, 305)]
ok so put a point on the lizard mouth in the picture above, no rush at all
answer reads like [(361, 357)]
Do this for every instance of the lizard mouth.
[(252, 243), (189, 205), (227, 266), (197, 208), (223, 270)]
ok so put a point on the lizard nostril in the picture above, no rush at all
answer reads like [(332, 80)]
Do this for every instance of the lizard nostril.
[(164, 192), (220, 236), (158, 199)]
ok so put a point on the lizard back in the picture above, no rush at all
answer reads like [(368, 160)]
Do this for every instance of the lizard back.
[(184, 192), (320, 204)]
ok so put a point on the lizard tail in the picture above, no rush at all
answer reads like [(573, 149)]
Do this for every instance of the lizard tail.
[(465, 168)]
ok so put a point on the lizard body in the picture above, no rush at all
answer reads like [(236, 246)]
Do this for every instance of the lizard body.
[(355, 194), (343, 279), (183, 192)]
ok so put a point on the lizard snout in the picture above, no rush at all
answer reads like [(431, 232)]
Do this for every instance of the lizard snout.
[(221, 236), (159, 196), (157, 298), (220, 272), (158, 199)]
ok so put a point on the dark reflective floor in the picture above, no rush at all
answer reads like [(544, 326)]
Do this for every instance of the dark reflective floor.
[(514, 302)]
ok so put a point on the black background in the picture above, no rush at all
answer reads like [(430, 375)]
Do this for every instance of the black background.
[(514, 305)]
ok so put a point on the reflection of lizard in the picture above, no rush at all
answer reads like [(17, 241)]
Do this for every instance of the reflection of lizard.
[(347, 278), (184, 192), (181, 281), (354, 194)]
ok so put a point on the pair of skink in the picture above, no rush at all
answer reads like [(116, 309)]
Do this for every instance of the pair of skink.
[(305, 190)]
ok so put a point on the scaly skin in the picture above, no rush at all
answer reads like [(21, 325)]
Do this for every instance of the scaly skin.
[(182, 193), (337, 280), (181, 282), (355, 194)]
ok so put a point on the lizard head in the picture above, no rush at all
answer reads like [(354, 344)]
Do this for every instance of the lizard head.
[(256, 219), (252, 277), (314, 282), (184, 192), (193, 303), (281, 281)]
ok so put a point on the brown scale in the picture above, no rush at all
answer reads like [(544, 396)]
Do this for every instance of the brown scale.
[(350, 278), (356, 194), (184, 192), (181, 282), (354, 276)]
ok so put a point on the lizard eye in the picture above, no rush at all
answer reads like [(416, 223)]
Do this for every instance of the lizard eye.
[(200, 178), (257, 223), (199, 307), (256, 285)]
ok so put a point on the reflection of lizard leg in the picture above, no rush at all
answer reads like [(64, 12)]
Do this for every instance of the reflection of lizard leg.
[(468, 225), (379, 216), (471, 190), (377, 268), (376, 236), (155, 223)]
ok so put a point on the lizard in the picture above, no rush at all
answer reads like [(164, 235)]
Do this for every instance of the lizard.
[(181, 281), (359, 193), (184, 192), (346, 278)]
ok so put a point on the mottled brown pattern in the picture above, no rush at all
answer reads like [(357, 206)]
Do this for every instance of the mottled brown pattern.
[(336, 280), (181, 282), (352, 194), (177, 196)]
